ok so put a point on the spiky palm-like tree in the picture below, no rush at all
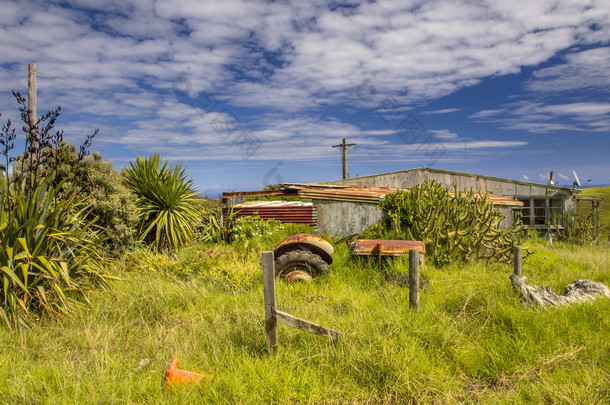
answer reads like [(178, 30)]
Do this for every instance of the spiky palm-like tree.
[(165, 201)]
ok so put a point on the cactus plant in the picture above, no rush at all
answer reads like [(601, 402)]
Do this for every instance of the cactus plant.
[(454, 226)]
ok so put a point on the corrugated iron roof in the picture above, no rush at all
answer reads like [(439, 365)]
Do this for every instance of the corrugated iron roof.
[(372, 195), (376, 194), (355, 194)]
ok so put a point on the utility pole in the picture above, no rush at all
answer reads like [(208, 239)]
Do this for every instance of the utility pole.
[(344, 146), (32, 117)]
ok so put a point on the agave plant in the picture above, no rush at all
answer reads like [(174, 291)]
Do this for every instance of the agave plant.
[(48, 251), (165, 201)]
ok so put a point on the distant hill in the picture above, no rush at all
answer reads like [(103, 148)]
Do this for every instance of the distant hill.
[(604, 208)]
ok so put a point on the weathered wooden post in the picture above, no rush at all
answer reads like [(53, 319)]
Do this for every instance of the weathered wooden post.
[(517, 259), (414, 279), (269, 293)]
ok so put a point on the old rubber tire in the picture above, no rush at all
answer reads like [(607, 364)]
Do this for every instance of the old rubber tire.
[(299, 265)]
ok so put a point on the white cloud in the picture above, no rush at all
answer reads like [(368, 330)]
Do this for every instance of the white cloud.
[(525, 177), (586, 69), (444, 134), (588, 109), (443, 111), (486, 113), (537, 117), (320, 55)]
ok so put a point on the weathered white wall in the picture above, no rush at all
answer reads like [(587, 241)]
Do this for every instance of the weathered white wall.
[(341, 218)]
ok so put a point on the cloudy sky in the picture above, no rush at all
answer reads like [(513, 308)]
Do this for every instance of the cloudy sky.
[(248, 93)]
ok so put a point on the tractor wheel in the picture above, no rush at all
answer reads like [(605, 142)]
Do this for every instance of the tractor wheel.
[(299, 265)]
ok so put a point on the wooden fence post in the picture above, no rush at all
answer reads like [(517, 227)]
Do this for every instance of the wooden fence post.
[(269, 292), (414, 279), (517, 259)]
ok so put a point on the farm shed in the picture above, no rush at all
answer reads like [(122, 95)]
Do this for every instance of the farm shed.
[(540, 201), (349, 210), (345, 209)]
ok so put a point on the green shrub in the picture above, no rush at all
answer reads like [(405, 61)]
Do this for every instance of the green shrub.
[(461, 226), (48, 250), (573, 227), (48, 246), (254, 232), (210, 229), (111, 202), (92, 178), (166, 202)]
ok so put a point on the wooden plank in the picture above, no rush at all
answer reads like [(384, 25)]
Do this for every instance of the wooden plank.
[(414, 279), (306, 326), (269, 293)]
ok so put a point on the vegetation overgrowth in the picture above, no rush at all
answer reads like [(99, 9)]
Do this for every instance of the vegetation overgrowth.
[(110, 203), (573, 227), (454, 226), (49, 246), (472, 340)]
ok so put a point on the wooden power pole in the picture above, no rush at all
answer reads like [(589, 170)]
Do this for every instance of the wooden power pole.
[(344, 146), (32, 109)]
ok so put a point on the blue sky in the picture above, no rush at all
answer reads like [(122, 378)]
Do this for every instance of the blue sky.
[(248, 93)]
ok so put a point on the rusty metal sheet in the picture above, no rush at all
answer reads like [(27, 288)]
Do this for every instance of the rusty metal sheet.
[(385, 247), (239, 194), (303, 214), (306, 241)]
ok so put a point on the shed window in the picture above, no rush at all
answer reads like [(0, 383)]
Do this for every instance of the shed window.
[(537, 211)]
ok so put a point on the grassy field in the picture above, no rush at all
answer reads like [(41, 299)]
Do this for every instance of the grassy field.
[(472, 340), (604, 208)]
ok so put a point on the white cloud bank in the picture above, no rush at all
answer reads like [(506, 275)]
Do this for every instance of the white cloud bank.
[(287, 58)]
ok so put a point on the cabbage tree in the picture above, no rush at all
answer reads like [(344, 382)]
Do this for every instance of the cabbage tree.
[(166, 202)]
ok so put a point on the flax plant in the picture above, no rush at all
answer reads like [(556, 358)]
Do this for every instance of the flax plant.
[(48, 250)]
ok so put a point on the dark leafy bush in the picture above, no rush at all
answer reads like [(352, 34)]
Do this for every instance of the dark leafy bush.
[(96, 180)]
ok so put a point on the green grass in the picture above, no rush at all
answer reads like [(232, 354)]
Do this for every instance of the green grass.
[(472, 340), (604, 208)]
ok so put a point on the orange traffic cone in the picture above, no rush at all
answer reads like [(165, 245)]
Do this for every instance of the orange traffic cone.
[(177, 376)]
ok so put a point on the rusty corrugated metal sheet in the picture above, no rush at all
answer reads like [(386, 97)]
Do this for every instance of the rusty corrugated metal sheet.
[(355, 194), (284, 211), (258, 193), (384, 247)]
